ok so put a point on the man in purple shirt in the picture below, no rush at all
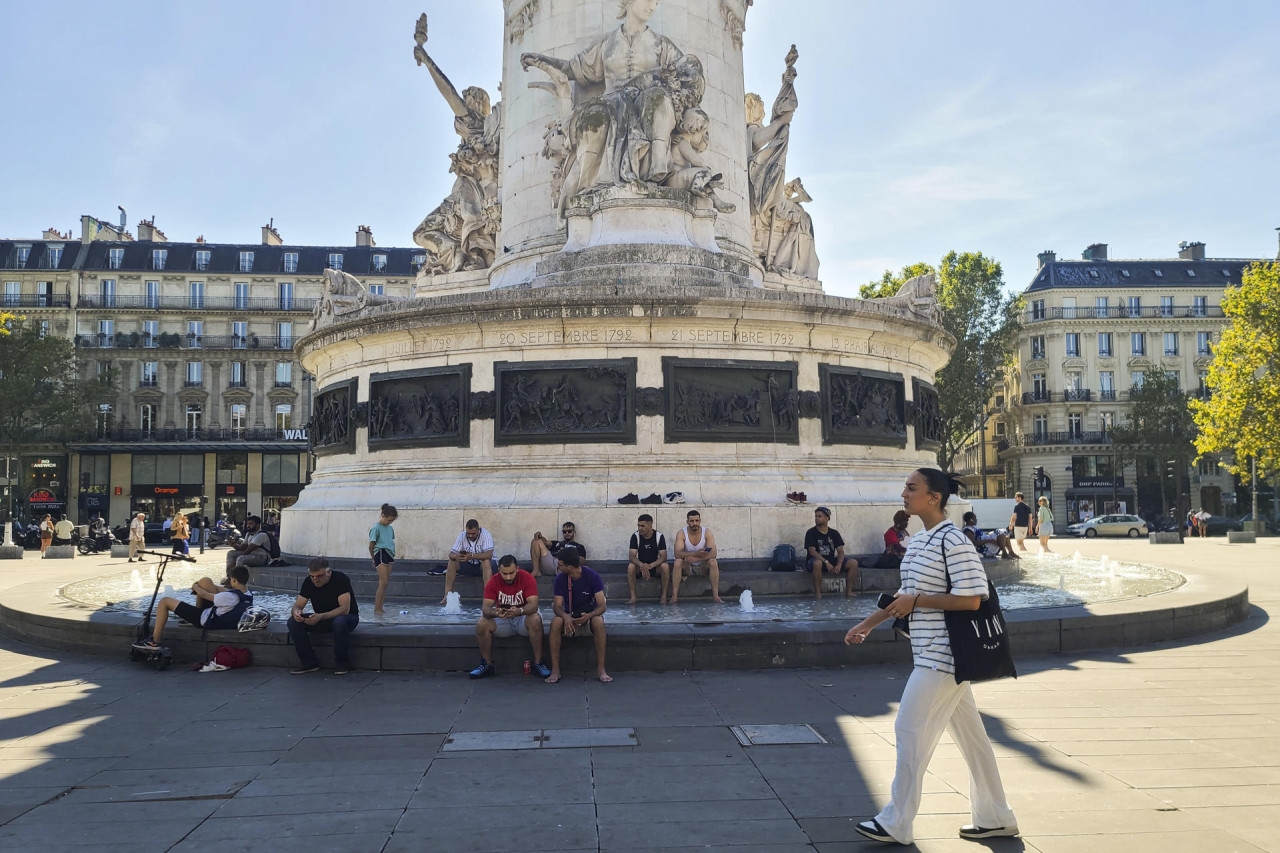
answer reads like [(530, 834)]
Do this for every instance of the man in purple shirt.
[(579, 608)]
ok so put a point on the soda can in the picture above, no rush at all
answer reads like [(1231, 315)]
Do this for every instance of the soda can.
[(528, 667)]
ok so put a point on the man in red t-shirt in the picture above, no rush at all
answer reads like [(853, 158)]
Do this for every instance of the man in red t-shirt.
[(510, 607)]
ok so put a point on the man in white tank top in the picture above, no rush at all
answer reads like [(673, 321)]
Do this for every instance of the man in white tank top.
[(695, 549)]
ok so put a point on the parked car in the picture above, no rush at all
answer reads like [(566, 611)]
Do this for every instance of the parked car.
[(1218, 525), (1110, 525)]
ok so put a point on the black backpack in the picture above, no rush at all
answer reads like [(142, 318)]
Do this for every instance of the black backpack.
[(784, 559), (274, 548)]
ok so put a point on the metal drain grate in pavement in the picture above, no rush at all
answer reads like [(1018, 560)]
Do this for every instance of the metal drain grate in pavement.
[(538, 739), (777, 735)]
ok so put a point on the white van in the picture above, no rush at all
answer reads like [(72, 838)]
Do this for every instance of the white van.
[(993, 513)]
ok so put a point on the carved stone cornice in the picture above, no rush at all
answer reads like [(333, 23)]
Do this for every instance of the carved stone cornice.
[(734, 13), (521, 20)]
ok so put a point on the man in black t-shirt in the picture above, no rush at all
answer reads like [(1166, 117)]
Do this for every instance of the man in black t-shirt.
[(1020, 521), (825, 548), (333, 608), (648, 553), (543, 552)]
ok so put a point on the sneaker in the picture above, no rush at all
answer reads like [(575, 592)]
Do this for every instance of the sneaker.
[(873, 830), (673, 498), (541, 670), (654, 498), (438, 570), (797, 497), (484, 670), (303, 670), (975, 832), (629, 498), (342, 669)]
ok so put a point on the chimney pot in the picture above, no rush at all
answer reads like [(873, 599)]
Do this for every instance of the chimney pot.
[(1047, 257), (1191, 251), (364, 236)]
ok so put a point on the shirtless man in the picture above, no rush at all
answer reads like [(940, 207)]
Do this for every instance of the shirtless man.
[(695, 547)]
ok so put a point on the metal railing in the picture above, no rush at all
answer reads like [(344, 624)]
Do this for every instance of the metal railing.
[(1043, 439), (196, 303), (35, 300), (182, 434), (1076, 395), (1116, 312), (179, 340)]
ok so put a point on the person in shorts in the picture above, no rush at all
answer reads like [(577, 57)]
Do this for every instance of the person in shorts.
[(472, 554), (1020, 521), (510, 607), (543, 552), (695, 552), (217, 608), (647, 553), (382, 550), (579, 608), (825, 549)]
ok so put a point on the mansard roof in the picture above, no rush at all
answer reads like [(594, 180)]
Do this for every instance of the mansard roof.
[(1164, 273)]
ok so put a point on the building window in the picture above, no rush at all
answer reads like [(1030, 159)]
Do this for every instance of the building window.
[(1100, 309), (280, 468), (1040, 427), (42, 329), (335, 260), (284, 335), (106, 333), (284, 416), (195, 374), (417, 262), (195, 334), (196, 294), (202, 259), (1174, 376), (1202, 377), (376, 289), (1166, 306), (286, 296), (1204, 343), (1170, 343), (246, 262), (150, 374), (1135, 306), (241, 289), (1200, 306), (290, 261), (1037, 346), (1138, 343), (378, 264), (115, 257), (1209, 467), (195, 418), (152, 297), (284, 373), (1075, 424), (1037, 309), (104, 419), (104, 371), (1104, 345), (108, 288), (1136, 378), (147, 418), (237, 374), (239, 413), (158, 258), (151, 333), (23, 252), (239, 334), (1000, 429), (1106, 384), (1107, 420), (1073, 344), (55, 257), (1039, 387)]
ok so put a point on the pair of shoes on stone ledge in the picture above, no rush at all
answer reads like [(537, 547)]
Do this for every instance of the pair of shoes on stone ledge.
[(654, 498), (797, 497)]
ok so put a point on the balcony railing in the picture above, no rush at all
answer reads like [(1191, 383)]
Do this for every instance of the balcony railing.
[(1076, 395), (148, 382), (196, 303), (1043, 439), (1107, 394), (179, 340), (1029, 397), (35, 300), (182, 434), (237, 383), (284, 384), (193, 383), (1116, 312)]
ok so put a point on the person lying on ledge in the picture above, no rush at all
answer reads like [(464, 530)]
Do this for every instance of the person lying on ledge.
[(987, 544), (218, 607)]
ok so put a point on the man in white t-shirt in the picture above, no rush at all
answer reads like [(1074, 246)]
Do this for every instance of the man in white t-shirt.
[(217, 607), (137, 535), (472, 554)]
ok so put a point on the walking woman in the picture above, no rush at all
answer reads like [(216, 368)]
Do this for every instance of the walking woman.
[(180, 531), (382, 550), (931, 700), (46, 534), (1044, 524)]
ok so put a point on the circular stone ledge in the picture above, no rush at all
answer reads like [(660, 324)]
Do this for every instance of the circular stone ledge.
[(34, 613)]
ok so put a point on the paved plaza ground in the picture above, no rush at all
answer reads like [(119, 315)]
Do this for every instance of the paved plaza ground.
[(1167, 748)]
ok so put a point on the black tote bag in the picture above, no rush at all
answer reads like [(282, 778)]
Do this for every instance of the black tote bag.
[(979, 638)]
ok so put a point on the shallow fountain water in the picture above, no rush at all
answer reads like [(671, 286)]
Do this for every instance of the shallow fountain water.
[(135, 580), (745, 602), (1050, 581)]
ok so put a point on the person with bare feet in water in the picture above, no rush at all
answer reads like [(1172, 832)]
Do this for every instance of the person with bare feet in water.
[(579, 607), (647, 557), (695, 554)]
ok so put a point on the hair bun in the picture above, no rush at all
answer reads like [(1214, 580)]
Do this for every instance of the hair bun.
[(954, 484)]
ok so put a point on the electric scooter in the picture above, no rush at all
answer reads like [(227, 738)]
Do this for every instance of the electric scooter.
[(160, 656)]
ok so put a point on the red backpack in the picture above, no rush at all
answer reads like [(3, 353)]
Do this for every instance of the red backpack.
[(232, 657)]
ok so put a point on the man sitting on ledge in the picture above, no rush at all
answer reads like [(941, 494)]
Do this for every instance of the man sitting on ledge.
[(334, 608), (472, 554), (579, 607), (218, 607), (510, 607)]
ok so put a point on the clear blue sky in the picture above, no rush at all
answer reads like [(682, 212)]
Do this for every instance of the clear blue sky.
[(1001, 127)]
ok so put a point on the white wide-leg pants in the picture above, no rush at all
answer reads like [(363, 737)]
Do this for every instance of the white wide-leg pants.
[(932, 702)]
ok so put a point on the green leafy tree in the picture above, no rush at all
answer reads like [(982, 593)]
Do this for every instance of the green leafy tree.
[(985, 321), (889, 284), (1241, 418), (45, 401), (1159, 429)]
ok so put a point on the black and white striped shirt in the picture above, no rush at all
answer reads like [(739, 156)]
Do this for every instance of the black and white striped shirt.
[(923, 572)]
